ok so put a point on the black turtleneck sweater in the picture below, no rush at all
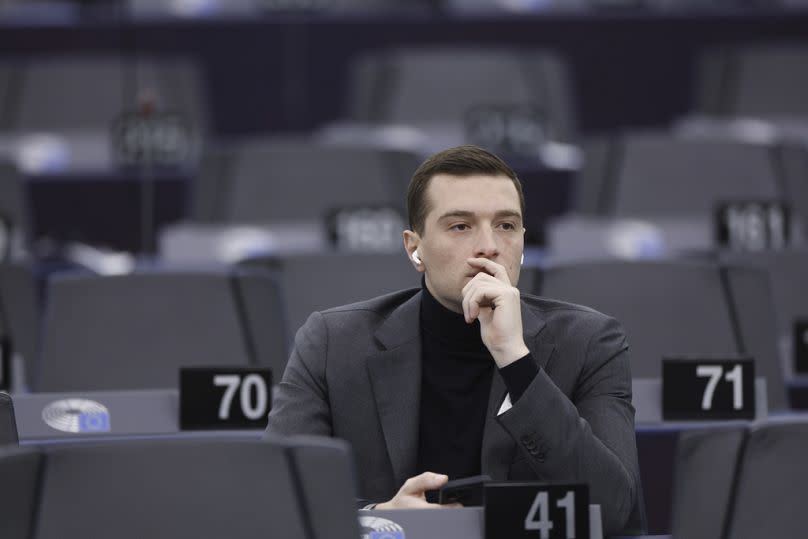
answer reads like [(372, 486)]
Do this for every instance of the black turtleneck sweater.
[(456, 373)]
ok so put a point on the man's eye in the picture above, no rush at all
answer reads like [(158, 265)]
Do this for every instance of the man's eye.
[(460, 226), (508, 226)]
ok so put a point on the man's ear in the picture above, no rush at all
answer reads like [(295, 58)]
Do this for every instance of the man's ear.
[(411, 242)]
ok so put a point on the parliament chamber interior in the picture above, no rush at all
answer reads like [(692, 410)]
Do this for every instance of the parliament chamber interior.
[(184, 182)]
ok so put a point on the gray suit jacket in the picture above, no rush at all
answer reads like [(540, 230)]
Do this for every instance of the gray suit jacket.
[(355, 373)]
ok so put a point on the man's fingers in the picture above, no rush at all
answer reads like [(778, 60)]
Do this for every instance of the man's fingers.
[(491, 267), (482, 295), (481, 277), (421, 483), (453, 505)]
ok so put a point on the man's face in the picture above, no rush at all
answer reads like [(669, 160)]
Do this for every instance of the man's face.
[(469, 217)]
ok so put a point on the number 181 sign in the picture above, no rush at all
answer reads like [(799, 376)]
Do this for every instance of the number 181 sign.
[(536, 511)]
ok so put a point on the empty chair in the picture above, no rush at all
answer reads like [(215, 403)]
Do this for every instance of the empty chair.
[(94, 89), (19, 469), (8, 426), (324, 468), (769, 500), (135, 331), (705, 472), (679, 308), (170, 488), (20, 315), (296, 180), (787, 271), (315, 282), (66, 109), (438, 86), (763, 81), (652, 175)]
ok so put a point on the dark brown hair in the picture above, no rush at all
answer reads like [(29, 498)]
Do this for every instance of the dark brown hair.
[(460, 161)]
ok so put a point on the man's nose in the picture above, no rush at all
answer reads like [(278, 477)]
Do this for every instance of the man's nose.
[(486, 246)]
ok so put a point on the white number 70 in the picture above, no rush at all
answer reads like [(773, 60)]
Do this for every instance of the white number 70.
[(232, 381)]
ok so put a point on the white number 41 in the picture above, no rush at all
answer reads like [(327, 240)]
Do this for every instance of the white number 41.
[(538, 517)]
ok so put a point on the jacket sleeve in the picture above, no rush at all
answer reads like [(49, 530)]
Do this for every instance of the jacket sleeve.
[(300, 402), (589, 438)]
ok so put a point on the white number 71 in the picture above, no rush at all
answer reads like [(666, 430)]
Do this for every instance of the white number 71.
[(714, 372)]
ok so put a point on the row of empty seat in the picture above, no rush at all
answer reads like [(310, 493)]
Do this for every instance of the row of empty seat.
[(295, 488), (430, 88), (134, 331), (741, 482)]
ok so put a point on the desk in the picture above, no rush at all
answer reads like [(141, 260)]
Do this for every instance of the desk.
[(466, 523)]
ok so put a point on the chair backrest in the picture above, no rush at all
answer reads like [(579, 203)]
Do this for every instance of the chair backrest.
[(787, 271), (169, 488), (656, 175), (15, 213), (767, 81), (324, 468), (440, 85), (19, 470), (678, 308), (751, 299), (20, 312), (315, 282), (94, 89), (705, 472), (135, 331), (8, 425), (297, 180), (769, 498)]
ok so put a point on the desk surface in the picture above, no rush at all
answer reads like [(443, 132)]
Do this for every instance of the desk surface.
[(467, 523)]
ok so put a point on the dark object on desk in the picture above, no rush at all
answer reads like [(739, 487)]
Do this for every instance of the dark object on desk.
[(468, 491)]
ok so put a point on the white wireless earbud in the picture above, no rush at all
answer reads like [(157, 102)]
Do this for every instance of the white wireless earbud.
[(415, 257), (523, 259)]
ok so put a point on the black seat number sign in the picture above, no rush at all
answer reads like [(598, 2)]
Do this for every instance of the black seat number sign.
[(509, 129), (801, 346), (226, 398), (366, 229), (160, 139), (536, 511), (753, 225), (708, 389)]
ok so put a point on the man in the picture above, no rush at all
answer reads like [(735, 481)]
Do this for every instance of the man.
[(465, 376)]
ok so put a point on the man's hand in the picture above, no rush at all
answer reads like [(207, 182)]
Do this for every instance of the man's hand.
[(411, 495), (490, 298)]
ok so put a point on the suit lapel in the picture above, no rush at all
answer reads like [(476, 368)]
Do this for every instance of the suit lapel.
[(498, 446), (395, 376)]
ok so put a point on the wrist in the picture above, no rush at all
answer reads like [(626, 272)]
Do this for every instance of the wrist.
[(504, 356)]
